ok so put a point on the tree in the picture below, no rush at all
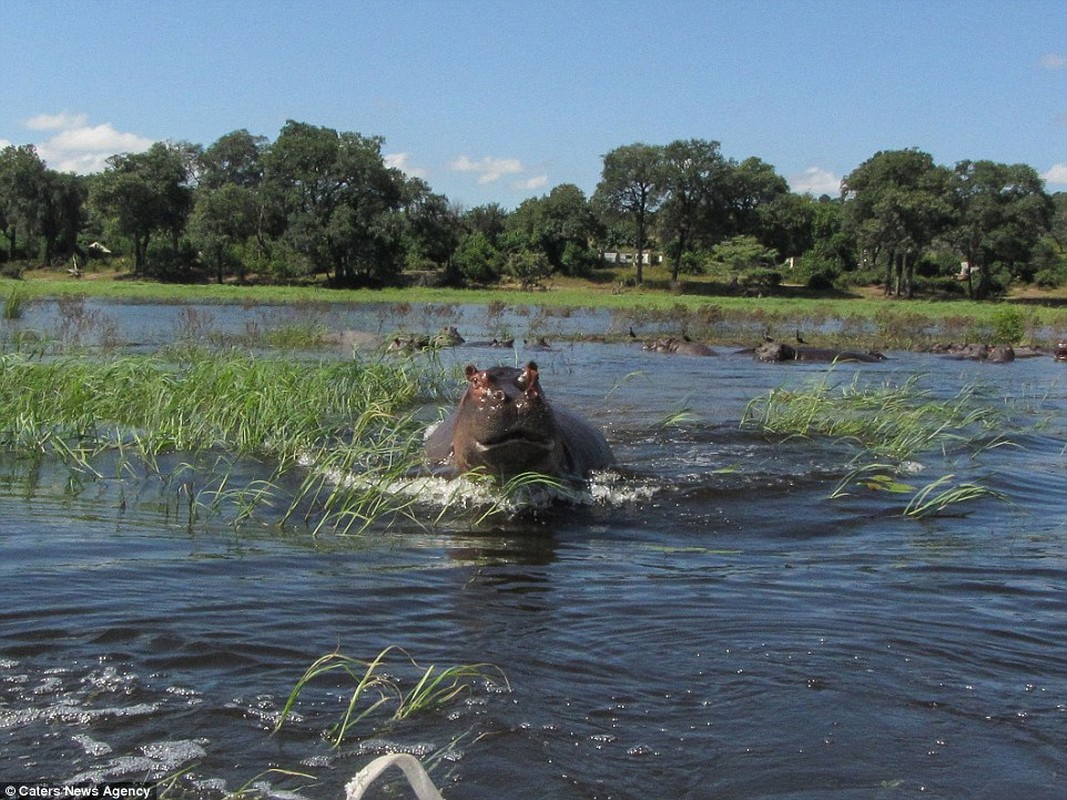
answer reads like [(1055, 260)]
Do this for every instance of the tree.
[(339, 203), (753, 184), (896, 203), (477, 259), (787, 223), (631, 186), (234, 159), (223, 219), (146, 193), (695, 179), (433, 225), (62, 214), (22, 189), (490, 219), (559, 225), (1003, 213)]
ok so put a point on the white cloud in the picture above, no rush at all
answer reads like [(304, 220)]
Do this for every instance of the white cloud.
[(536, 182), (51, 122), (815, 181), (1058, 174), (79, 147), (1053, 61), (489, 169), (4, 143), (402, 162)]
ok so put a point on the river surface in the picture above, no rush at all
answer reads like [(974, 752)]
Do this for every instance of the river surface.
[(707, 623)]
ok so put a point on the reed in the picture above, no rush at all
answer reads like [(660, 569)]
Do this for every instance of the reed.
[(891, 420), (13, 305), (380, 684), (890, 424), (322, 421)]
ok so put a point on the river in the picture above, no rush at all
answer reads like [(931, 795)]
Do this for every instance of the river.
[(706, 623)]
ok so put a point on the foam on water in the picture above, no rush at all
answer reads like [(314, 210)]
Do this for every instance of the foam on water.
[(158, 760), (604, 488)]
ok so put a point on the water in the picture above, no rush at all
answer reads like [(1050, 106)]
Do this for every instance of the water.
[(711, 626)]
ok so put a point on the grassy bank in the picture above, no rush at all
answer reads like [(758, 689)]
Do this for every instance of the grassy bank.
[(1039, 318)]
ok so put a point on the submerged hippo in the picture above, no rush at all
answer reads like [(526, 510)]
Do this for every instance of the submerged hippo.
[(506, 426), (997, 353), (683, 347), (778, 351)]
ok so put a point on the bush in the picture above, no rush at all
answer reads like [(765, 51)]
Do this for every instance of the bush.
[(1008, 326), (761, 278), (477, 260), (530, 268)]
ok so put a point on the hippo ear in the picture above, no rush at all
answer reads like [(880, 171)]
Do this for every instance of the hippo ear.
[(528, 379), (470, 371)]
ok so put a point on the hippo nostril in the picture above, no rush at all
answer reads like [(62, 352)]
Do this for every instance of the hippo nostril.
[(498, 396)]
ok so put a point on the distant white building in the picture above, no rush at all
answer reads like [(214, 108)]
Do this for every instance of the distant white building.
[(618, 257)]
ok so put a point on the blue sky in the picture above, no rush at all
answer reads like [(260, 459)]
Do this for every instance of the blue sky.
[(500, 101)]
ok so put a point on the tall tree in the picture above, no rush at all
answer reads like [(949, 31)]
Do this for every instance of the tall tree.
[(235, 158), (754, 184), (146, 193), (631, 186), (1003, 212), (695, 181), (896, 203), (223, 220), (433, 224), (22, 190), (560, 225), (340, 203), (62, 217)]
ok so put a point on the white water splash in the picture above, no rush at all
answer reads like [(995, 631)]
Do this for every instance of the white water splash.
[(604, 488)]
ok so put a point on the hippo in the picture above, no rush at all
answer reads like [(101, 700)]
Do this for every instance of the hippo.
[(683, 347), (505, 426), (448, 336), (1060, 353), (779, 351), (999, 353)]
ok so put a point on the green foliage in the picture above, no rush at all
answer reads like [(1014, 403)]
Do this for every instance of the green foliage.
[(742, 253), (895, 421), (380, 684), (13, 305), (477, 260), (1009, 326), (760, 278), (529, 268)]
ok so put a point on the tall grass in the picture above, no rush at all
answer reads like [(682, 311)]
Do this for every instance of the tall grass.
[(13, 304), (891, 420), (891, 425), (314, 420)]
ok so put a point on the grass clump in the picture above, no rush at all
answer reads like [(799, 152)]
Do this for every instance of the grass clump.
[(891, 424), (316, 421), (13, 305), (380, 684), (894, 420)]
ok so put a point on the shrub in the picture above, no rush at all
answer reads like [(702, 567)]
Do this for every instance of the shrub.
[(1008, 326)]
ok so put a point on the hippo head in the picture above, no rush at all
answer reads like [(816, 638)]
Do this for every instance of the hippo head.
[(504, 423)]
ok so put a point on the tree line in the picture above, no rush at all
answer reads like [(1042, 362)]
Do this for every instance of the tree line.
[(317, 203)]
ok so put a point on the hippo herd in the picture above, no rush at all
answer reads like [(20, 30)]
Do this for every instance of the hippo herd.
[(505, 426)]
